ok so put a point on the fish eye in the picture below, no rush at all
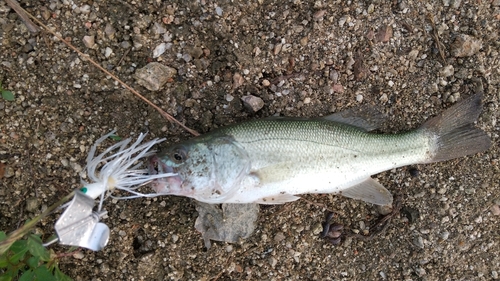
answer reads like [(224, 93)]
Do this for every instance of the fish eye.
[(179, 155)]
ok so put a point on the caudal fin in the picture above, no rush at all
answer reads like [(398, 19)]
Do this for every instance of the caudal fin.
[(453, 130)]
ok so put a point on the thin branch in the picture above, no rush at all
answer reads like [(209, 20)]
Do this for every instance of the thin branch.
[(23, 15), (87, 57)]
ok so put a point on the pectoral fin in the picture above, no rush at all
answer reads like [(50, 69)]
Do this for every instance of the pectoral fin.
[(370, 191)]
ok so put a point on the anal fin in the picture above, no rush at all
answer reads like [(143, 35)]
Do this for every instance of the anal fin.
[(370, 191), (278, 199)]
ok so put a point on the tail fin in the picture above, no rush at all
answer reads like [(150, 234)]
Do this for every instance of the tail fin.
[(453, 130)]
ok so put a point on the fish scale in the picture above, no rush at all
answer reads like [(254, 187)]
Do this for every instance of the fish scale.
[(292, 155)]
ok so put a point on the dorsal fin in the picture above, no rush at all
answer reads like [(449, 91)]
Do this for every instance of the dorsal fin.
[(363, 117)]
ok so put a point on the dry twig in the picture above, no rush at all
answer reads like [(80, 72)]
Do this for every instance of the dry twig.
[(87, 57)]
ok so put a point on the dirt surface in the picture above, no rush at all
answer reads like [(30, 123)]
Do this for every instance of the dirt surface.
[(302, 58)]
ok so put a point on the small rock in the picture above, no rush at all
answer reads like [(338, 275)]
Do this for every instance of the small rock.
[(218, 11), (78, 255), (447, 71), (279, 237), (495, 210), (419, 242), (277, 48), (319, 14), (384, 33), (110, 31), (32, 204), (465, 46), (338, 88), (238, 80), (89, 41), (125, 44), (384, 209), (154, 75), (8, 172), (252, 103), (159, 50), (158, 28), (273, 261), (266, 83), (304, 40), (359, 98), (108, 52), (187, 57), (196, 52)]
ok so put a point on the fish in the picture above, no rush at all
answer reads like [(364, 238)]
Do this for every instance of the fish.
[(274, 160)]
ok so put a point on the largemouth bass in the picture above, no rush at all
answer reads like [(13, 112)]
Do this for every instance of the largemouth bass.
[(272, 160)]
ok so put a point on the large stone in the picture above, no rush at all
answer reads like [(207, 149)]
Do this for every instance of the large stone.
[(465, 46), (154, 75), (252, 103)]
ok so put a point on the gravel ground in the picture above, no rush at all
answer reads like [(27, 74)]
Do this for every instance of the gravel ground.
[(232, 58)]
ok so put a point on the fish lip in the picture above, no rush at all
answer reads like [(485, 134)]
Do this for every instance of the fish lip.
[(166, 184)]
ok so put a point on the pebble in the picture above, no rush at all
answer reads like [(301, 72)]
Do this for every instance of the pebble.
[(419, 242), (32, 204), (495, 210), (384, 33), (175, 238), (78, 255), (89, 41), (110, 31), (159, 50), (218, 11), (465, 46), (108, 52), (279, 237), (238, 80), (359, 98), (338, 88), (447, 71), (125, 44), (187, 57), (252, 103), (266, 83), (158, 28), (154, 75), (273, 261)]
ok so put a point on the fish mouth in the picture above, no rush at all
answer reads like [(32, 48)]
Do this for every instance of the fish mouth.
[(166, 185)]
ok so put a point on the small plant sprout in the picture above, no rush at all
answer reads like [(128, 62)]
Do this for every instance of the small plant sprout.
[(118, 167)]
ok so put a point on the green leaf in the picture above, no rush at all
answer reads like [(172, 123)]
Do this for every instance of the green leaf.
[(7, 95), (61, 276), (37, 249), (27, 275), (33, 262), (2, 235), (3, 261), (5, 277), (43, 274), (115, 137), (19, 248)]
